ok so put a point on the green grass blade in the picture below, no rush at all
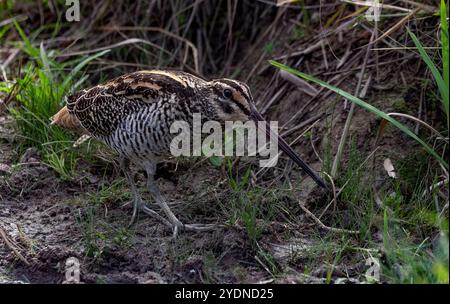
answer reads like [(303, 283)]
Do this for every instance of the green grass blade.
[(45, 62), (4, 30), (444, 40), (442, 86), (362, 104), (79, 66), (29, 48)]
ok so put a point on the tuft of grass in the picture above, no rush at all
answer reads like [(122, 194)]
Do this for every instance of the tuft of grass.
[(98, 236), (243, 209), (93, 239), (38, 100), (41, 94), (122, 237), (110, 193), (408, 262), (356, 198), (249, 206)]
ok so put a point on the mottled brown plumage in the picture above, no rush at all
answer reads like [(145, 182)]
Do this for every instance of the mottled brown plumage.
[(133, 113)]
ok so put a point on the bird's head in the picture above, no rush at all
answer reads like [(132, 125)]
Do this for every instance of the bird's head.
[(233, 101)]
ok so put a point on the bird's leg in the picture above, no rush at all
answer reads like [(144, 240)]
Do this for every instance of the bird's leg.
[(177, 224), (154, 190), (137, 201)]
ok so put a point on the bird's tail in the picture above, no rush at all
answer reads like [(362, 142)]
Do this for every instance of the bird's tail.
[(66, 120)]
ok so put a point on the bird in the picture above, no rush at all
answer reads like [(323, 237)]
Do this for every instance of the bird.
[(132, 115)]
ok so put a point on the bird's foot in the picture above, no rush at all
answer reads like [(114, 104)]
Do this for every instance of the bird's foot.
[(137, 203), (138, 206), (154, 214), (200, 227), (175, 224), (191, 227)]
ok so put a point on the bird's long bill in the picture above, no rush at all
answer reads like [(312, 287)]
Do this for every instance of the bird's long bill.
[(284, 146)]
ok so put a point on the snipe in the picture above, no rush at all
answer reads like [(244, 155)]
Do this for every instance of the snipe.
[(133, 113)]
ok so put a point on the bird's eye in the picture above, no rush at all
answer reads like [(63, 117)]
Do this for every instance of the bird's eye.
[(227, 93)]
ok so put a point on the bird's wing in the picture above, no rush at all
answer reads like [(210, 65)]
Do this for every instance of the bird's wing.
[(101, 108)]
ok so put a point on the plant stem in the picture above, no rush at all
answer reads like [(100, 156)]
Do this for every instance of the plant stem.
[(352, 108)]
